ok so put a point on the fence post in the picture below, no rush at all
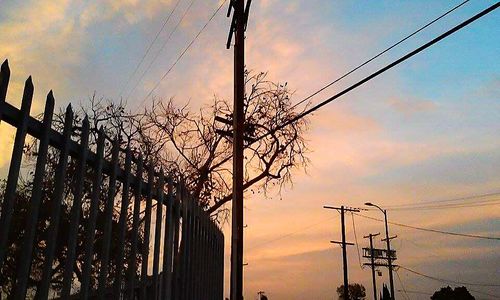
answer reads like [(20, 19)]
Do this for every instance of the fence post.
[(147, 226), (177, 254), (122, 225), (75, 211), (15, 165), (24, 263), (57, 198), (135, 228), (157, 245), (4, 84), (94, 208), (108, 218), (168, 243), (194, 250), (203, 269)]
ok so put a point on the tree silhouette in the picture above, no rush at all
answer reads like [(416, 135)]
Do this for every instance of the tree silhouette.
[(181, 142), (192, 144), (447, 293), (110, 118), (356, 291), (385, 294)]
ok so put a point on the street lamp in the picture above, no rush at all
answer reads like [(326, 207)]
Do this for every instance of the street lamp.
[(389, 256)]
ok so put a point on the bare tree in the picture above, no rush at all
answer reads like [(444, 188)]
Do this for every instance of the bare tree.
[(185, 144), (195, 146), (115, 123)]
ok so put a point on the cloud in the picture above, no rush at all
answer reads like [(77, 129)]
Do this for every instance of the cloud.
[(126, 11), (410, 106)]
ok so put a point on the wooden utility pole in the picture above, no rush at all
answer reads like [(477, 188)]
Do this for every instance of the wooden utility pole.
[(238, 25), (389, 256), (372, 263), (344, 245)]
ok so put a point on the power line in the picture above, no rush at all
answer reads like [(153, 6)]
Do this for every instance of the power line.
[(356, 238), (184, 52), (161, 48), (370, 77), (149, 48), (402, 285), (465, 198), (383, 70), (417, 292), (481, 203), (288, 234), (449, 281), (434, 230), (379, 54)]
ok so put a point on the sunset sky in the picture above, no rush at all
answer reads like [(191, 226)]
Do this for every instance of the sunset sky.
[(427, 130)]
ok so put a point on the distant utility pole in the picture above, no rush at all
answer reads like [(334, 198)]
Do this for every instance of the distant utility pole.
[(261, 293), (343, 244), (238, 26), (389, 252), (372, 264)]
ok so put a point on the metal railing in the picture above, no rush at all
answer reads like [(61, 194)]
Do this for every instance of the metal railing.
[(187, 247)]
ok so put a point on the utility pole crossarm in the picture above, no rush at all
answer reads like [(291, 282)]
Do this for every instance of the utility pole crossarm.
[(390, 238), (341, 243)]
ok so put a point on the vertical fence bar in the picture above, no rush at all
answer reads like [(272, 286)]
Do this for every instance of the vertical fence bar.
[(147, 226), (168, 243), (135, 228), (213, 260), (206, 285), (215, 257), (75, 211), (122, 225), (204, 268), (177, 255), (57, 198), (94, 208), (189, 246), (108, 221), (157, 245), (202, 257), (4, 84), (23, 268), (15, 165), (221, 264), (196, 254), (184, 245)]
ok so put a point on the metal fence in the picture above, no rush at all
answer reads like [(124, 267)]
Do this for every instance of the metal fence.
[(183, 259)]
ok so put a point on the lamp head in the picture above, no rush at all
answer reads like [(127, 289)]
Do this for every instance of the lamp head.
[(369, 204)]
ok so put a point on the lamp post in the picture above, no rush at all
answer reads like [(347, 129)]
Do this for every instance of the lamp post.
[(389, 255)]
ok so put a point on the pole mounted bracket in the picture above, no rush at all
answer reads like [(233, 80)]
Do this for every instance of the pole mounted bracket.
[(234, 20)]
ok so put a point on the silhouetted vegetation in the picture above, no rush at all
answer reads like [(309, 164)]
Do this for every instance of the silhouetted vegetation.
[(447, 293), (356, 291), (183, 143)]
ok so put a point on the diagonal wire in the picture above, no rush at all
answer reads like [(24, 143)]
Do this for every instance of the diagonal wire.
[(379, 54), (183, 52), (448, 280), (435, 230), (459, 199), (357, 244), (361, 82), (161, 48), (289, 234), (149, 48), (402, 285)]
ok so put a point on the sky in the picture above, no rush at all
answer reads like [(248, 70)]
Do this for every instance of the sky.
[(427, 130)]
